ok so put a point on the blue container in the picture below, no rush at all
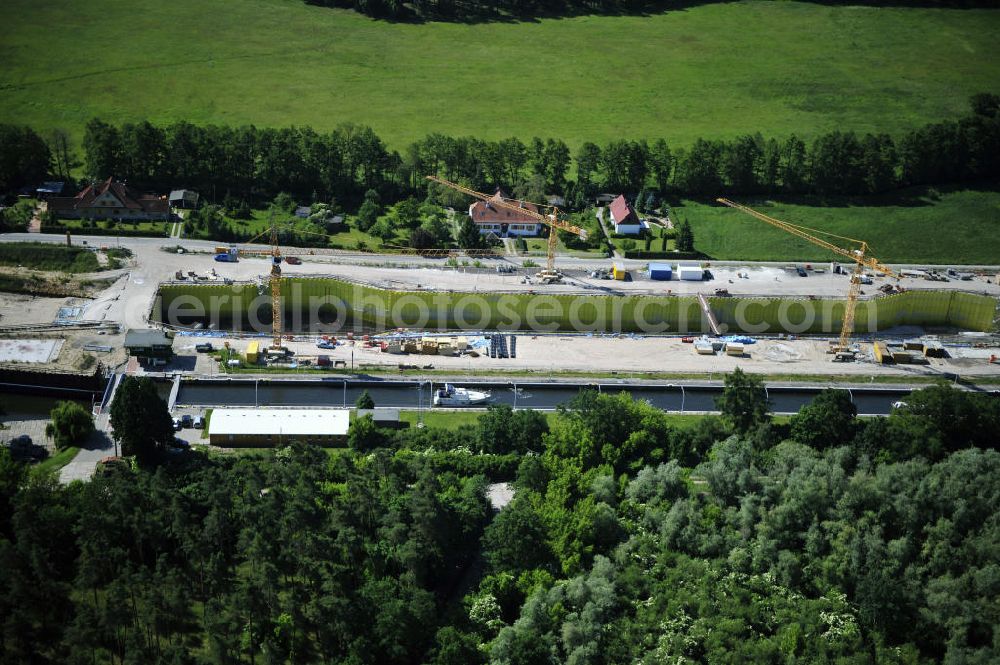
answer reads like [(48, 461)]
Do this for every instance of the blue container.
[(660, 271)]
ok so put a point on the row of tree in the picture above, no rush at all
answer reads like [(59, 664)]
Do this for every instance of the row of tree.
[(252, 164)]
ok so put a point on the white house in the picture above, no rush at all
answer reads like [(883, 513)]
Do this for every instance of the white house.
[(624, 219)]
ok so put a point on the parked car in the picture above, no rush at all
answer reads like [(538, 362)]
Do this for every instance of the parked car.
[(199, 422), (177, 424), (186, 421), (293, 260), (179, 443), (204, 347), (801, 271)]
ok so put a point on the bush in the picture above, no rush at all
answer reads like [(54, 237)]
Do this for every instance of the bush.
[(71, 425)]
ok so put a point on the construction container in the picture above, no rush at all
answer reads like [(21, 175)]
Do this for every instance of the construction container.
[(429, 346), (446, 350), (394, 347), (934, 350), (323, 361), (618, 271), (411, 346), (900, 355), (253, 352), (734, 349), (704, 348), (913, 345), (660, 271), (690, 272), (881, 353)]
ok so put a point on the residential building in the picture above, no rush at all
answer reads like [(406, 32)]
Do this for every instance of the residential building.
[(503, 221), (625, 220), (111, 200), (235, 428)]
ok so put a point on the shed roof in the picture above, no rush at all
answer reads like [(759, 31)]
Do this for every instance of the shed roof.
[(380, 415), (280, 422), (665, 267), (148, 337), (183, 194)]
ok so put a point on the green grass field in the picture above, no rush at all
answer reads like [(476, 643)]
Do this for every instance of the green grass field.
[(714, 70), (44, 256), (960, 227)]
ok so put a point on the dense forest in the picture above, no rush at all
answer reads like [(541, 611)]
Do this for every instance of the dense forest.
[(630, 539), (253, 165)]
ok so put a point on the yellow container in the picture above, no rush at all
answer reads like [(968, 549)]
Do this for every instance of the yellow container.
[(253, 350), (618, 270)]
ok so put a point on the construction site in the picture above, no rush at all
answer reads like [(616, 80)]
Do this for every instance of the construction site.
[(458, 311)]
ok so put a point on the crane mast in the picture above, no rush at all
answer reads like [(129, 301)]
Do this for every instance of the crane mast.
[(857, 255), (551, 220), (276, 309)]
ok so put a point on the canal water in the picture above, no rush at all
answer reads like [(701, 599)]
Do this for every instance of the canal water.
[(544, 396)]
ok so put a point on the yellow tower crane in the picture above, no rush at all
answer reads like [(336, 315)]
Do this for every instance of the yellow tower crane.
[(549, 275), (274, 251), (857, 254)]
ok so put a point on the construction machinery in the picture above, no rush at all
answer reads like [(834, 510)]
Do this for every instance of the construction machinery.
[(857, 254), (550, 275), (274, 251)]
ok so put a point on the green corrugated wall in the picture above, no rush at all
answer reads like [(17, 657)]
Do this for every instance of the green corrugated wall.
[(599, 313)]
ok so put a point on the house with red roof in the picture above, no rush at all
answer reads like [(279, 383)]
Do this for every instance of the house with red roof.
[(502, 220), (625, 220), (111, 200)]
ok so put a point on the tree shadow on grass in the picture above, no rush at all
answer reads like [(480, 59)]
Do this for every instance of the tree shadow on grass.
[(474, 13)]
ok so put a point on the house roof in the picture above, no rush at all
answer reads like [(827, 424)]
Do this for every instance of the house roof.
[(129, 199), (488, 212), (280, 422), (147, 338), (621, 210)]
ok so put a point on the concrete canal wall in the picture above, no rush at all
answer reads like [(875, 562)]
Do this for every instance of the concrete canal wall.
[(331, 300)]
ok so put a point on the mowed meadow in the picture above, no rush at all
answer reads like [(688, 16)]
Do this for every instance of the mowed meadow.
[(958, 227), (715, 70)]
